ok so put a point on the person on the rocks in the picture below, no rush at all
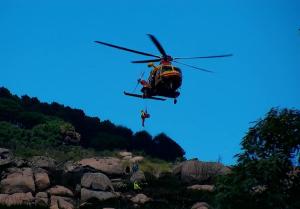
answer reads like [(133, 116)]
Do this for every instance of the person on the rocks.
[(136, 186), (135, 167), (144, 115)]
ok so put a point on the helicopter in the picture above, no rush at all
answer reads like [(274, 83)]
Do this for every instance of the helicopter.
[(165, 79)]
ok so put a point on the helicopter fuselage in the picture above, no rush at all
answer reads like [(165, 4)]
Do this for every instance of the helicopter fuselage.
[(164, 80)]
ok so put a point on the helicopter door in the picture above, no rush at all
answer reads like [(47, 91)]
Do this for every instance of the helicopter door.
[(157, 75)]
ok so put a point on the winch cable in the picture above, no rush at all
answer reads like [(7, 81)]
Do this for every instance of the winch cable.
[(138, 81)]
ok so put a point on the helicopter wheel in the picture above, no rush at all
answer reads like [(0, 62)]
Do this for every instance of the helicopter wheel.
[(175, 101)]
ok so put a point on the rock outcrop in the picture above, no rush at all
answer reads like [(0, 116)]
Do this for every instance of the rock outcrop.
[(207, 188), (194, 170), (41, 198), (96, 185), (125, 154), (6, 157), (72, 137), (43, 182), (136, 159), (60, 191), (42, 162), (17, 199), (96, 181), (57, 202), (87, 194), (140, 199), (200, 205), (18, 180), (41, 179), (107, 165)]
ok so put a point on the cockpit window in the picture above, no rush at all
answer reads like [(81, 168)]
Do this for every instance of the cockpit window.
[(166, 68)]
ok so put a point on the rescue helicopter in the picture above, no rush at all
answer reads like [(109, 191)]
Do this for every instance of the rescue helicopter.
[(165, 79)]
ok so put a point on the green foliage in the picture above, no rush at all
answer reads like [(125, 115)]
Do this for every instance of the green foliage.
[(155, 166), (107, 141), (9, 109), (12, 136), (36, 126), (265, 176), (36, 141), (30, 119)]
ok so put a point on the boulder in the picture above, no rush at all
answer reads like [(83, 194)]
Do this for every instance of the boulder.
[(125, 154), (18, 181), (208, 188), (96, 181), (70, 166), (63, 204), (194, 170), (107, 165), (60, 191), (2, 198), (72, 137), (42, 180), (127, 158), (17, 199), (6, 157), (19, 162), (42, 162), (119, 184), (140, 199), (41, 199), (200, 205), (136, 159), (87, 194), (138, 176), (57, 202)]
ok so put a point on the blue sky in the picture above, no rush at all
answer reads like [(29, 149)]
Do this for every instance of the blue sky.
[(47, 51)]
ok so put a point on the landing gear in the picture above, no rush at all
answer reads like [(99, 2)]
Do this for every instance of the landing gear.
[(145, 92), (175, 101)]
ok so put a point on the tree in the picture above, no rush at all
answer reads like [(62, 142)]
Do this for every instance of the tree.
[(142, 141), (265, 176), (5, 93), (9, 109), (166, 148)]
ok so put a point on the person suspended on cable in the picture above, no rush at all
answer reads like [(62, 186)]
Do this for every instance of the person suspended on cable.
[(144, 115)]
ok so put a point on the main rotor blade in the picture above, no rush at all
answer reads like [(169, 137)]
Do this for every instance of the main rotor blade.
[(146, 61), (126, 49), (158, 45), (194, 67), (214, 56)]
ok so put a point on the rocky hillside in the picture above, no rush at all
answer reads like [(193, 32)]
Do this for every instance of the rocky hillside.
[(53, 156), (105, 182)]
